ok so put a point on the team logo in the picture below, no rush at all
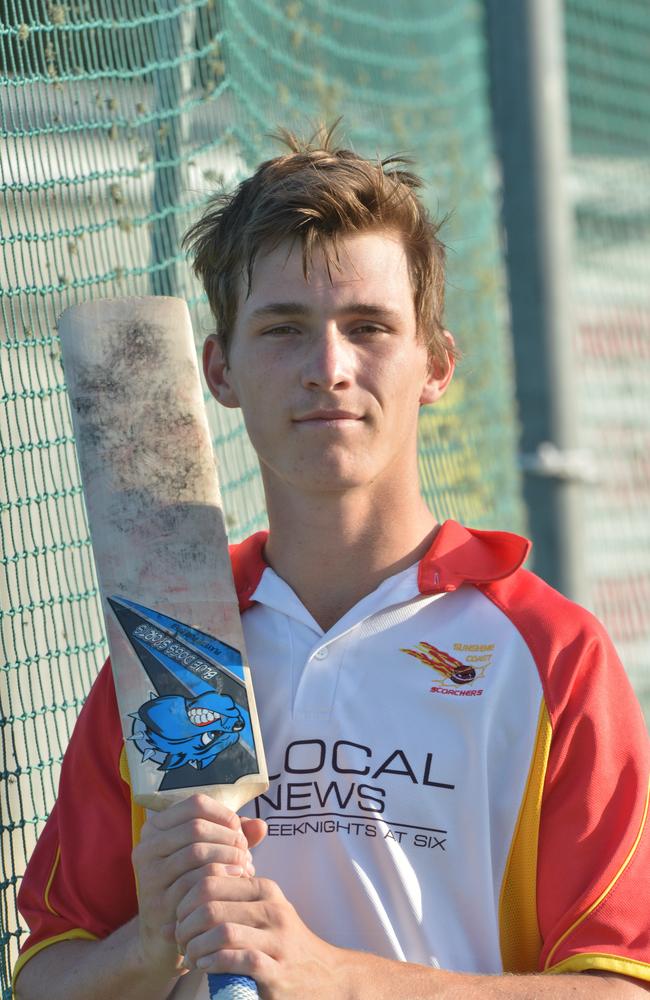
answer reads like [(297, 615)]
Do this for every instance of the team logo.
[(197, 715), (455, 673), (447, 665)]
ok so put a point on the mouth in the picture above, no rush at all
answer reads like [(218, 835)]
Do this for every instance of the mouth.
[(202, 716), (327, 417)]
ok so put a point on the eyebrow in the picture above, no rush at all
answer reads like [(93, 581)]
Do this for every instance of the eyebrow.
[(300, 309)]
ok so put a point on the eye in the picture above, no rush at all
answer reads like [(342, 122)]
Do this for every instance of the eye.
[(368, 329), (280, 331)]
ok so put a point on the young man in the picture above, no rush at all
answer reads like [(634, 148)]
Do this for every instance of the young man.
[(459, 768)]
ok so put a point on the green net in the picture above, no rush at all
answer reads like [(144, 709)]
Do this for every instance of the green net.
[(117, 119), (609, 105)]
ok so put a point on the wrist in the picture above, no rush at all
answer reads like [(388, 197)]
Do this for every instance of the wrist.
[(356, 974), (154, 954)]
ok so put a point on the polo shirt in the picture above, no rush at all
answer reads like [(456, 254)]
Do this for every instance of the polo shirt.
[(459, 775)]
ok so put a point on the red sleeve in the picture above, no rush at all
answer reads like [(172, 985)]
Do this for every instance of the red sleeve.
[(79, 881), (593, 852)]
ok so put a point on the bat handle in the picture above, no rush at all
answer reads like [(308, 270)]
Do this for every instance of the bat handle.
[(223, 986)]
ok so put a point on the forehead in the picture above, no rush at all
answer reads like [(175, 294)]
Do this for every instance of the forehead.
[(370, 266)]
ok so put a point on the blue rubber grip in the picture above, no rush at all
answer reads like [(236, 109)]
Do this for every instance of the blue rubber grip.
[(223, 986)]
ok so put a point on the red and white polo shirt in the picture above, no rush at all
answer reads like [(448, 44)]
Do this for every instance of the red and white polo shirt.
[(459, 775)]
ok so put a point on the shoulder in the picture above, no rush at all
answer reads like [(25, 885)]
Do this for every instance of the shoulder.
[(574, 655), (575, 658), (547, 619)]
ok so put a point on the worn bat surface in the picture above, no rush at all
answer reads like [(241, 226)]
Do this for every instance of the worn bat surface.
[(156, 523)]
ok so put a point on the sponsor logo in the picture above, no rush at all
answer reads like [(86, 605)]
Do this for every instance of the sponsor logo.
[(350, 789), (456, 675)]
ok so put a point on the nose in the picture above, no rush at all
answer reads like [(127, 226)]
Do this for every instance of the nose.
[(329, 360)]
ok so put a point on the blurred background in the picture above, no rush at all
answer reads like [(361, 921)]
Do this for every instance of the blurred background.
[(529, 120)]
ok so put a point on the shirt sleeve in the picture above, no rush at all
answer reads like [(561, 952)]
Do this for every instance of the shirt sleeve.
[(594, 848), (592, 866), (79, 882)]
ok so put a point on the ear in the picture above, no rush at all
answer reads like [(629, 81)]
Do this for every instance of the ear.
[(439, 377), (216, 371)]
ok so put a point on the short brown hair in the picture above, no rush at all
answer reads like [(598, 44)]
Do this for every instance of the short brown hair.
[(318, 192)]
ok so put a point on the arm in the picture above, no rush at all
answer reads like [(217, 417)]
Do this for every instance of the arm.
[(188, 843), (99, 969), (247, 926), (78, 896)]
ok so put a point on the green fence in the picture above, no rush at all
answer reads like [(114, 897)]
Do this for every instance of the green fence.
[(609, 105), (117, 120)]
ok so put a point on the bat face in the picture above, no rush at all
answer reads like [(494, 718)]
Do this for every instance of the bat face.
[(160, 548), (198, 707)]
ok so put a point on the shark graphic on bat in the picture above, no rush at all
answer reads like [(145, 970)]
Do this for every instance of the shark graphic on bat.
[(173, 731), (198, 708)]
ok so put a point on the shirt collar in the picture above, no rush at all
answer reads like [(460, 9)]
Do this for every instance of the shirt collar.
[(461, 555), (457, 555), (248, 564)]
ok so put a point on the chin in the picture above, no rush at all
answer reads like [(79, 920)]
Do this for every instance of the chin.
[(331, 480), (328, 473), (326, 478)]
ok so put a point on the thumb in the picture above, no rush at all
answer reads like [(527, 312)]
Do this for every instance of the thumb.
[(254, 830)]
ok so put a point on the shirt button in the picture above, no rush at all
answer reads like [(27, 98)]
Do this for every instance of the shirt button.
[(321, 654)]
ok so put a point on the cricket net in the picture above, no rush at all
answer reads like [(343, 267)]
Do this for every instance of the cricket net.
[(117, 119), (609, 109)]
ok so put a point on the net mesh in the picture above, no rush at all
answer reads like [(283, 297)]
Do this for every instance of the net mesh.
[(609, 92), (117, 119)]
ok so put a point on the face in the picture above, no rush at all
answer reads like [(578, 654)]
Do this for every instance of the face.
[(329, 372)]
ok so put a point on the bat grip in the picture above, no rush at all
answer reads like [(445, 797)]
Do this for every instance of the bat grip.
[(223, 986)]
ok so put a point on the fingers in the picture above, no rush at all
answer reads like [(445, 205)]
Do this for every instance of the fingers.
[(196, 844), (166, 843), (183, 887), (192, 807), (192, 840), (230, 948), (218, 926), (219, 890), (219, 912), (254, 830), (245, 831), (190, 835), (226, 925), (240, 962)]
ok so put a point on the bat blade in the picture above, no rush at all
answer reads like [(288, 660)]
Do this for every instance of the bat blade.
[(154, 510)]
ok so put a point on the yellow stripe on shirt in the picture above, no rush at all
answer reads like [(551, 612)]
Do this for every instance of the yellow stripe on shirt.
[(520, 939)]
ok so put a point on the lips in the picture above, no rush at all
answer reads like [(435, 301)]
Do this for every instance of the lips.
[(326, 416)]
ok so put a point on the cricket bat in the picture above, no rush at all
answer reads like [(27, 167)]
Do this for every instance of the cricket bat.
[(154, 509)]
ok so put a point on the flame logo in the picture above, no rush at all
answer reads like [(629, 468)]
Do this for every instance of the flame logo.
[(444, 663)]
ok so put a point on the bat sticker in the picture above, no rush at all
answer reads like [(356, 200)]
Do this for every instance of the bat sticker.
[(173, 731), (198, 706)]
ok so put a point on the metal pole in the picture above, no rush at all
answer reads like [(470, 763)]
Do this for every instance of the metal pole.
[(530, 106)]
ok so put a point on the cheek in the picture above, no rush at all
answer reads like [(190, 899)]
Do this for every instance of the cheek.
[(249, 382), (404, 381)]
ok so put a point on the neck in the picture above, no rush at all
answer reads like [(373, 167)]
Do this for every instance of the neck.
[(334, 549)]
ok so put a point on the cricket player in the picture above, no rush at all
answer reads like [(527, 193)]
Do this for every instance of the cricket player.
[(459, 769)]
